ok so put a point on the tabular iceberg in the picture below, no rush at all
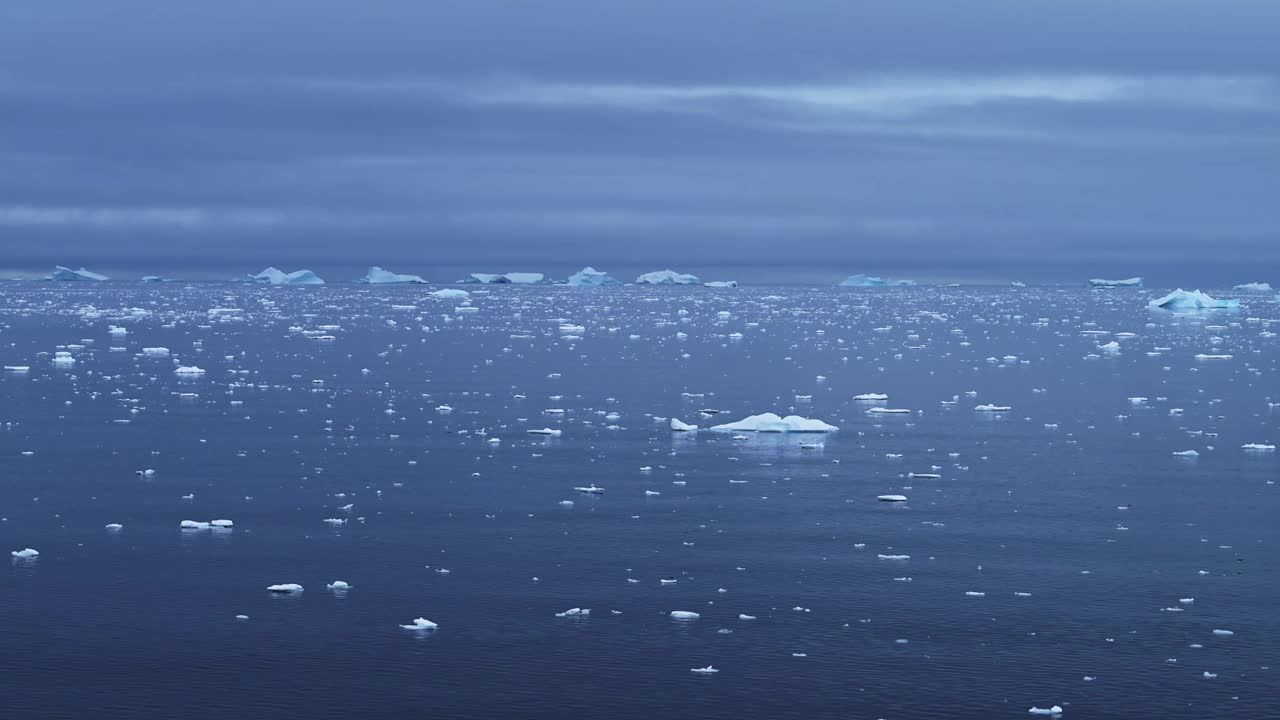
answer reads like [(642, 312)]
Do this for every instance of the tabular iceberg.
[(1254, 287), (378, 276), (667, 277), (67, 274), (861, 280), (1131, 282), (590, 277), (507, 279), (273, 276), (1182, 300), (771, 423)]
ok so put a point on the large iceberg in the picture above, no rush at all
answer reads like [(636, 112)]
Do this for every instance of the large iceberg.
[(507, 279), (1195, 300), (1254, 287), (63, 273), (378, 276), (667, 277), (273, 276), (771, 423), (1135, 282), (861, 280), (590, 277)]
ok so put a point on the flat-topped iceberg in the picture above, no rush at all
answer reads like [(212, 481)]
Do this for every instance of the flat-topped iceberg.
[(667, 277), (590, 277), (861, 280), (721, 284), (378, 276), (69, 275), (1194, 300), (1254, 287), (272, 276), (451, 294), (771, 423), (1135, 282), (507, 279)]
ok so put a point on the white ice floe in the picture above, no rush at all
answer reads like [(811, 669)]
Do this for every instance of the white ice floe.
[(450, 294), (420, 624), (871, 397), (992, 408), (1131, 282), (25, 553), (771, 423), (545, 431), (891, 498), (684, 615), (285, 588), (378, 276), (188, 370), (574, 612), (679, 426), (1055, 710), (1258, 447), (708, 670), (339, 585)]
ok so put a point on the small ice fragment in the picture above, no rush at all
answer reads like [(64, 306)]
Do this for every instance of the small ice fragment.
[(684, 615), (420, 624), (285, 588)]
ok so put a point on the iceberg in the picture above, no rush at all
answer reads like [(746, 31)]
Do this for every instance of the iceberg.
[(1182, 300), (1135, 282), (67, 274), (868, 281), (420, 624), (451, 294), (25, 554), (667, 277), (590, 277), (272, 276), (285, 588), (680, 426), (152, 278), (1055, 710), (684, 615), (507, 279), (721, 284), (1254, 287), (378, 276), (771, 423)]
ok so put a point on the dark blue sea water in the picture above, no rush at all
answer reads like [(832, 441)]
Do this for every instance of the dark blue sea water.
[(1069, 513)]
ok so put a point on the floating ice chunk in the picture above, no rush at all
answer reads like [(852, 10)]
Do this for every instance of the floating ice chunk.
[(679, 426), (25, 553), (420, 624), (721, 284), (1130, 283), (285, 588), (378, 276), (870, 397), (1253, 287), (156, 351), (17, 368), (545, 431), (992, 408), (771, 423), (1205, 356), (339, 585), (114, 527), (590, 489), (590, 277), (1186, 453), (861, 280), (887, 411), (684, 615), (451, 294), (744, 616), (67, 274), (574, 612), (272, 276), (667, 277), (894, 557), (1223, 633), (708, 670), (892, 498), (194, 525), (1055, 710), (1258, 447), (188, 370), (1195, 300)]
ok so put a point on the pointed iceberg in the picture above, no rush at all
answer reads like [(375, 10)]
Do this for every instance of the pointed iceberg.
[(378, 276), (1135, 282), (272, 276), (861, 280), (1195, 300), (771, 423), (590, 277), (67, 274), (667, 277)]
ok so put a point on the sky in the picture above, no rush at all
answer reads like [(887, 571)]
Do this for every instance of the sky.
[(980, 139)]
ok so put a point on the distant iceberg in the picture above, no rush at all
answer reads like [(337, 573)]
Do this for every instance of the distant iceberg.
[(861, 280), (67, 274), (1254, 287), (590, 277), (378, 276), (771, 423), (152, 278), (721, 284), (507, 279), (667, 277), (1183, 300), (273, 276), (1130, 283)]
